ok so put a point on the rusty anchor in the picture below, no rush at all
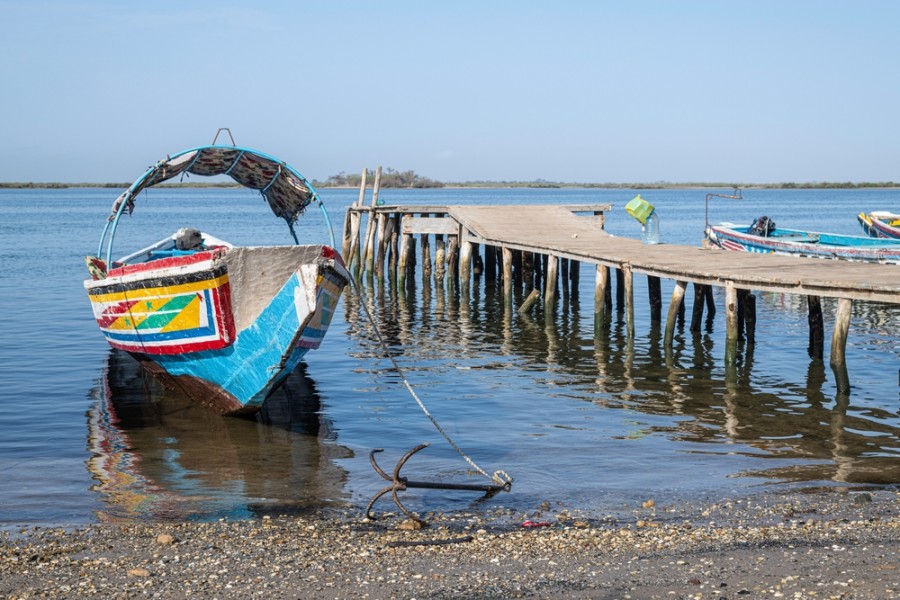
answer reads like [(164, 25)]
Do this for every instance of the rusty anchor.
[(399, 484)]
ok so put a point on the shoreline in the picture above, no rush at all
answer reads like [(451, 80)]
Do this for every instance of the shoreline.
[(827, 544)]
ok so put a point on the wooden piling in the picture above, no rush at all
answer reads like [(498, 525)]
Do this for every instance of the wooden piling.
[(550, 282), (529, 301), (601, 291), (507, 275), (655, 292), (628, 292), (731, 323), (352, 256), (440, 257), (368, 249), (816, 328), (675, 306), (426, 258), (841, 328)]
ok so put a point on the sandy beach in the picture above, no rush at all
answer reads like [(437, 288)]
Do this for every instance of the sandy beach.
[(835, 544)]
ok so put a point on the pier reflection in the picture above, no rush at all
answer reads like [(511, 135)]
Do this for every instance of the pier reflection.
[(807, 426), (156, 454)]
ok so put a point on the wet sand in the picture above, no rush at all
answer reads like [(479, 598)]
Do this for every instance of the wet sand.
[(828, 544)]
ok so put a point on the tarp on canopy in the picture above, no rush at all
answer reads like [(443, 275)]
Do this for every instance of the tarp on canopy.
[(287, 192)]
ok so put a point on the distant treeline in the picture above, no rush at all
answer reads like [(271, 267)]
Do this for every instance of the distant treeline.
[(391, 178)]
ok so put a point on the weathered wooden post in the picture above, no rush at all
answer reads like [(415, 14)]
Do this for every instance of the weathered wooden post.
[(369, 250), (452, 256), (550, 283), (382, 244), (620, 290), (674, 309), (406, 240), (750, 318), (352, 257), (507, 276), (426, 259), (601, 290), (816, 328), (465, 265), (439, 258), (394, 232), (731, 323), (628, 280), (528, 270), (841, 328), (655, 292)]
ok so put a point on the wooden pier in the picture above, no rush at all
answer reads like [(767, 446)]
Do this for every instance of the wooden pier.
[(552, 240)]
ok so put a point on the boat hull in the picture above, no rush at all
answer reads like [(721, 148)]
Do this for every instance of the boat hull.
[(805, 243), (225, 326), (880, 225)]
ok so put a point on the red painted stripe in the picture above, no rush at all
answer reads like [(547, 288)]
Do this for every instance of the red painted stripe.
[(172, 261)]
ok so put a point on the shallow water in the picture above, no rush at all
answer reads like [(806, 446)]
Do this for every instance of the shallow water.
[(586, 422)]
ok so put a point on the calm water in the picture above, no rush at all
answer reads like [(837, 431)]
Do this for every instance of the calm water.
[(586, 424)]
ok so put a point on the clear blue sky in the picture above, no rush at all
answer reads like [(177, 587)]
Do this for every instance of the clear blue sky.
[(594, 91)]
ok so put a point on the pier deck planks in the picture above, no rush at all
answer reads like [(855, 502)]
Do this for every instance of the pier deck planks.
[(559, 231)]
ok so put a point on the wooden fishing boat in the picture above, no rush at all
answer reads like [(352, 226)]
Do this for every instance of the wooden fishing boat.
[(764, 237), (225, 324), (880, 224)]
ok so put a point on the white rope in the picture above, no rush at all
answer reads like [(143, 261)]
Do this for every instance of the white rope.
[(499, 477)]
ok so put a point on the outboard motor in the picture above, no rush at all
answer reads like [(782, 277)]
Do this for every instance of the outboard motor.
[(762, 226)]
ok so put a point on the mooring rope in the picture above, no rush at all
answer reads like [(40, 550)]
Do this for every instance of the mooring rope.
[(499, 477)]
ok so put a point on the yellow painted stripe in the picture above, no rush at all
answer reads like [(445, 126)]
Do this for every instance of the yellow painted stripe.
[(169, 290)]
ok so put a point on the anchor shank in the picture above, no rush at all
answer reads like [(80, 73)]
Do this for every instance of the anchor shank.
[(488, 487)]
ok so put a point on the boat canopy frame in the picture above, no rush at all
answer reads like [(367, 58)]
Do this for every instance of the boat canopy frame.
[(287, 192)]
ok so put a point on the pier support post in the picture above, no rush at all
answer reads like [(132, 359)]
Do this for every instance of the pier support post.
[(628, 293), (369, 249), (674, 308), (841, 328), (816, 328), (352, 255), (465, 265), (382, 245), (440, 257), (507, 276), (655, 292), (426, 259), (601, 289), (750, 318), (403, 261), (620, 290), (731, 323), (550, 283)]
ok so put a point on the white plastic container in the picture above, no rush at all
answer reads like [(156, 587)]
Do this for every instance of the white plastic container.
[(650, 229)]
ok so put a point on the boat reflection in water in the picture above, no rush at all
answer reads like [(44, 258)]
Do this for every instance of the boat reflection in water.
[(158, 455)]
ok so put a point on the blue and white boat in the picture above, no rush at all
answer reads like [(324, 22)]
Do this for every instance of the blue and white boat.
[(225, 324), (763, 237)]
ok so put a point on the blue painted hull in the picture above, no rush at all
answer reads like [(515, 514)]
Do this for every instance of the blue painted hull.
[(238, 378)]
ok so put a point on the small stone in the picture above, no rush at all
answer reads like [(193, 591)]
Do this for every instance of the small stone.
[(648, 504), (165, 539), (138, 572), (410, 525)]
